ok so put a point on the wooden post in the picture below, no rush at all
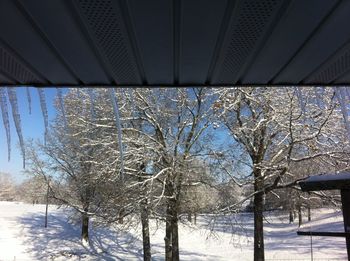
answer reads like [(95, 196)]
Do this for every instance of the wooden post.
[(47, 202), (345, 200)]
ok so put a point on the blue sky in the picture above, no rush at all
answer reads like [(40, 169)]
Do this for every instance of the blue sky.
[(32, 127)]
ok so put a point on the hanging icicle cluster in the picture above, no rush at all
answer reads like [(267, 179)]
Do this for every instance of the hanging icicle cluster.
[(11, 92), (12, 96), (342, 95), (6, 121)]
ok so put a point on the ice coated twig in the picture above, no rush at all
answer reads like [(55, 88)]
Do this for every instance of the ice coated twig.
[(5, 119), (11, 92), (117, 121)]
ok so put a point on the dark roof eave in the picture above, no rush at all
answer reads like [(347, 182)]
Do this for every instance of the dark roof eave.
[(326, 182)]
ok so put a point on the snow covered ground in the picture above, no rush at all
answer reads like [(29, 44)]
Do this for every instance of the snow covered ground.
[(23, 237)]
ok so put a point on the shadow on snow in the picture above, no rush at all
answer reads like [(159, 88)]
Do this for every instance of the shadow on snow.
[(61, 240)]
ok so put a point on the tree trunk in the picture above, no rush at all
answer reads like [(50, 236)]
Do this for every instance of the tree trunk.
[(189, 217), (259, 254), (258, 227), (175, 237), (47, 203), (121, 217), (195, 218), (172, 232), (168, 235), (308, 213), (145, 231), (300, 216), (85, 228), (291, 217), (147, 255)]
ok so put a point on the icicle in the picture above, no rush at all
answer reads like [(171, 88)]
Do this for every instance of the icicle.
[(342, 101), (61, 104), (92, 109), (347, 89), (122, 92), (44, 111), (300, 98), (319, 98), (5, 119), (29, 100), (132, 101), (117, 120), (78, 93), (155, 93), (11, 91), (344, 95)]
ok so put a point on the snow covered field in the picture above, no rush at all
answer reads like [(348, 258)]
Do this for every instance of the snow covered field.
[(23, 237)]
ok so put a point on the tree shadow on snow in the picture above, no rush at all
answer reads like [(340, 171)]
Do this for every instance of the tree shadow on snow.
[(287, 238), (61, 239), (236, 224), (279, 235)]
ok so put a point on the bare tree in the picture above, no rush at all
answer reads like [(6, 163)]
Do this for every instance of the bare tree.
[(175, 120), (86, 171), (39, 173), (275, 128)]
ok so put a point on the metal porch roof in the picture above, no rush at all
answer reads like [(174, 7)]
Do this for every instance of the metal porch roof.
[(326, 182), (174, 42)]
